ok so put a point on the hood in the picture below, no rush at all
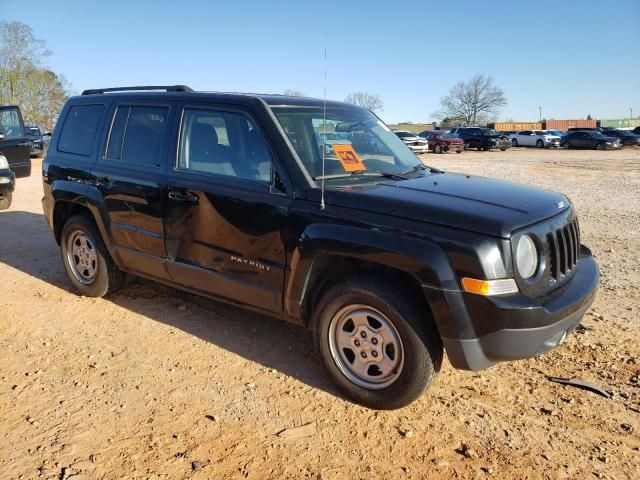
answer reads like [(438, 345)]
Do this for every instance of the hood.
[(483, 205)]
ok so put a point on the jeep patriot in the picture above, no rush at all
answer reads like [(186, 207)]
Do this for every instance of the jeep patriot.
[(241, 198)]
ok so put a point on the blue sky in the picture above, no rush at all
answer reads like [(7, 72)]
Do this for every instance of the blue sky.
[(573, 58)]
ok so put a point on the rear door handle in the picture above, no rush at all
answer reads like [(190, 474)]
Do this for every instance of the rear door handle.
[(183, 197)]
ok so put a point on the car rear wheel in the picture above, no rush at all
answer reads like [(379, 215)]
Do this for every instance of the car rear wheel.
[(514, 142), (86, 260), (376, 342), (5, 202), (540, 144)]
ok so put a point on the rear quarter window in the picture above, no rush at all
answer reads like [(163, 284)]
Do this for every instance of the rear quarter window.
[(80, 129)]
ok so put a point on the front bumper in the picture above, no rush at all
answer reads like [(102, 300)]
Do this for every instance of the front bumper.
[(7, 182), (513, 327), (419, 148)]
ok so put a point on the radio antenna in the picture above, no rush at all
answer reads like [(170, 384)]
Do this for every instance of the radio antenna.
[(324, 122)]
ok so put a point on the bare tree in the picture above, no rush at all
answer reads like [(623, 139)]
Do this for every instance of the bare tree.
[(369, 101), (289, 92), (474, 101)]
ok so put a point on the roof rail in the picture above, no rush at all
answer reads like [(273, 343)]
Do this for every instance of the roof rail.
[(166, 88)]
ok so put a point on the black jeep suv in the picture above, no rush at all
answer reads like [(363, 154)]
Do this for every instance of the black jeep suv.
[(242, 198), (481, 138)]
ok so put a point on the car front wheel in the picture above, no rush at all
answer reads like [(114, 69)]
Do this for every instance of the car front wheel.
[(566, 145), (86, 260), (514, 142), (601, 146), (377, 343), (540, 144)]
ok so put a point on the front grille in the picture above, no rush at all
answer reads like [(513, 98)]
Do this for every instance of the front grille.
[(564, 250)]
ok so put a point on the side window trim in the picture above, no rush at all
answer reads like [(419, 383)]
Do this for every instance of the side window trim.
[(175, 164)]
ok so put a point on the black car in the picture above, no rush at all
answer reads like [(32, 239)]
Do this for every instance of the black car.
[(14, 144), (36, 135), (636, 130), (590, 139), (387, 261), (626, 137), (481, 138)]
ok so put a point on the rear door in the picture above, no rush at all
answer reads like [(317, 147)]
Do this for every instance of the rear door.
[(225, 221), (13, 142), (130, 175)]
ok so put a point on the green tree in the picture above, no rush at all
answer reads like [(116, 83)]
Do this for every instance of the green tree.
[(39, 92)]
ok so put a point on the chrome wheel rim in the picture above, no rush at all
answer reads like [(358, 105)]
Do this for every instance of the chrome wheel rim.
[(366, 346), (82, 257)]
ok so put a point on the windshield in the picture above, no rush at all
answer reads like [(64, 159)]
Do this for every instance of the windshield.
[(359, 133)]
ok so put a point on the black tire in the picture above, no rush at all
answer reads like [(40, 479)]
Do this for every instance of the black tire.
[(459, 150), (566, 145), (108, 278), (486, 148), (540, 144), (503, 149), (514, 142), (421, 346), (438, 149), (5, 202), (601, 146)]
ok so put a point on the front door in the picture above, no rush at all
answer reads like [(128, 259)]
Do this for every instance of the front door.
[(13, 143), (130, 175), (225, 223)]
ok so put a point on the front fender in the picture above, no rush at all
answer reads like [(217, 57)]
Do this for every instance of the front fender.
[(422, 259)]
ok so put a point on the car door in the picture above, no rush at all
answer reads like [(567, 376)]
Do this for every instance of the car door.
[(130, 176), (14, 144), (225, 221)]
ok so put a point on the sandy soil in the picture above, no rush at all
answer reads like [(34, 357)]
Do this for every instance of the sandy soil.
[(149, 384)]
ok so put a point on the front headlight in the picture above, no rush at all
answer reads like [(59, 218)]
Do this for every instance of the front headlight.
[(4, 164), (526, 257)]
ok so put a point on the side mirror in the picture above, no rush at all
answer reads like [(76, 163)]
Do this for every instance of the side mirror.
[(1, 136)]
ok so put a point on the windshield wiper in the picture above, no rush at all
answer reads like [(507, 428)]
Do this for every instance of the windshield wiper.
[(421, 166), (360, 173)]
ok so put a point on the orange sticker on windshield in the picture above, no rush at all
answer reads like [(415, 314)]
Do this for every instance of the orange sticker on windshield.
[(348, 158)]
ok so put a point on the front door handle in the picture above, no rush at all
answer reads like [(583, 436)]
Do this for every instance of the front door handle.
[(183, 197)]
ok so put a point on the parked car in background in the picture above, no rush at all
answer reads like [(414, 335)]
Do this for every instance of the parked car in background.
[(557, 133), (7, 183), (626, 137), (590, 139), (534, 138), (36, 135), (441, 142), (412, 140), (14, 145), (636, 131), (481, 138)]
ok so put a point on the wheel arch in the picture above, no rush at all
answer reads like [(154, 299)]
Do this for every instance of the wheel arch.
[(329, 254)]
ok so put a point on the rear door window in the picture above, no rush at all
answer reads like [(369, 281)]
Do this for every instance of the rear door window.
[(80, 129), (137, 134)]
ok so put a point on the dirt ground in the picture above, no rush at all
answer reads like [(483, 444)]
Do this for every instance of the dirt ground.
[(149, 384)]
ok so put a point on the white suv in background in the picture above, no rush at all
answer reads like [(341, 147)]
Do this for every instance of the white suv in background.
[(534, 138)]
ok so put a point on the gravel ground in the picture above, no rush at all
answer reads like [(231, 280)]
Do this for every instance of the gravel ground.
[(149, 384)]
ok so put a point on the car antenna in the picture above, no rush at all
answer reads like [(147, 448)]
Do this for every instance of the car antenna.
[(324, 123)]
